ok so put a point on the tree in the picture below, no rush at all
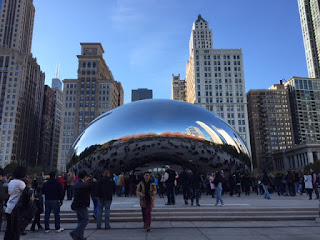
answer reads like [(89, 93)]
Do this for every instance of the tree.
[(315, 166)]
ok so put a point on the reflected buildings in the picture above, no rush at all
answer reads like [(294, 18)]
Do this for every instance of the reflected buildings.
[(158, 132)]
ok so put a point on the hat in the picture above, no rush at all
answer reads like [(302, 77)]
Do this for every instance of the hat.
[(167, 167)]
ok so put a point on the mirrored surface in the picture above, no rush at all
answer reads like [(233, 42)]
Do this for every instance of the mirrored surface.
[(158, 131)]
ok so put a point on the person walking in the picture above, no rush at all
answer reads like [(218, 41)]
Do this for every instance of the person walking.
[(218, 180), (195, 184), (81, 202), (161, 185), (169, 177), (308, 183), (266, 181), (53, 192), (106, 187), (185, 183), (133, 184), (146, 190), (15, 189)]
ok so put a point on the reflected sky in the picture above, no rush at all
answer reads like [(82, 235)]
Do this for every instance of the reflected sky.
[(158, 116)]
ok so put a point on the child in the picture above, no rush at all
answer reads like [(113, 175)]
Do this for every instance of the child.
[(38, 200)]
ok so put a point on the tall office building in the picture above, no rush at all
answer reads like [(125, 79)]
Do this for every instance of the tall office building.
[(215, 79), (178, 88), (270, 124), (310, 25), (93, 93), (304, 94), (141, 94), (22, 85)]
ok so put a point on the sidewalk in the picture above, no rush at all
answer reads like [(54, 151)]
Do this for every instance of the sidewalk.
[(198, 230)]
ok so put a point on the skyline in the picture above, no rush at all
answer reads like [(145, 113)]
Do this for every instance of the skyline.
[(146, 42)]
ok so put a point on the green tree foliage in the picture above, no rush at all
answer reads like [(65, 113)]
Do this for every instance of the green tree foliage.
[(315, 166)]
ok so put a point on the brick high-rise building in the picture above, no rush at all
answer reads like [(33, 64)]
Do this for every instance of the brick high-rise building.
[(270, 124), (93, 93), (22, 85), (215, 79)]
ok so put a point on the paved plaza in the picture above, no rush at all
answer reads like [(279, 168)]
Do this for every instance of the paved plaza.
[(175, 230)]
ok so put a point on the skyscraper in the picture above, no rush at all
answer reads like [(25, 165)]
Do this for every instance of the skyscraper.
[(93, 93), (215, 79), (22, 85), (310, 18), (140, 94), (270, 124), (304, 95)]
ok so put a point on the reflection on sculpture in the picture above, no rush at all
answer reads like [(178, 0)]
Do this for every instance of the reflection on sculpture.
[(162, 132)]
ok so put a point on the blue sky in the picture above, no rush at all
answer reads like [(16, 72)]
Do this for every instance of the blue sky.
[(146, 41)]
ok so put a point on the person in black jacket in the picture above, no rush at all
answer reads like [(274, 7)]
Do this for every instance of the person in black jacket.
[(106, 188), (195, 183), (38, 201), (81, 202), (185, 183), (53, 192)]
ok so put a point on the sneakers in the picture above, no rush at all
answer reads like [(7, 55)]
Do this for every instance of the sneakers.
[(59, 230), (148, 228), (74, 237), (47, 231)]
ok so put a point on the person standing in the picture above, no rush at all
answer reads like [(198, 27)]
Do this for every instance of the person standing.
[(120, 184), (38, 201), (81, 202), (169, 177), (315, 180), (218, 180), (15, 189), (195, 183), (212, 187), (308, 183), (146, 190), (133, 184), (2, 196), (53, 192), (63, 183), (185, 183), (106, 187)]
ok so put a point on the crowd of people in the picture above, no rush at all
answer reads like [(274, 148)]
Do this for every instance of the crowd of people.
[(23, 199)]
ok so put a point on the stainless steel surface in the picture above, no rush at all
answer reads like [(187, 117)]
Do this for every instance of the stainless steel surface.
[(150, 125)]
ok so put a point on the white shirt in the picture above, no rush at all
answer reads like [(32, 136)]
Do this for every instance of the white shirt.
[(308, 181), (15, 188)]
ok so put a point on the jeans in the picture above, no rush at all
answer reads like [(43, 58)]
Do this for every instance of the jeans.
[(36, 221), (279, 190), (218, 192), (119, 191), (70, 192), (170, 192), (95, 206), (83, 220), (266, 192), (104, 204), (54, 206), (185, 190)]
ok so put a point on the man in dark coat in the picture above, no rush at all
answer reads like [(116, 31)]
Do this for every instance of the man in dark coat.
[(81, 202), (53, 192), (106, 188)]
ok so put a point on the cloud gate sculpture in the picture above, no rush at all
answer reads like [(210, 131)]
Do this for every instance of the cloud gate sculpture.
[(155, 133)]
